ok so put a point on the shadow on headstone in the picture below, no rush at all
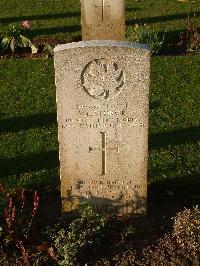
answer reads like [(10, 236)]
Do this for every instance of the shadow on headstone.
[(136, 206)]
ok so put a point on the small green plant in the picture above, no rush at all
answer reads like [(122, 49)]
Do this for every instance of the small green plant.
[(143, 34), (14, 39), (48, 50), (84, 234), (129, 232)]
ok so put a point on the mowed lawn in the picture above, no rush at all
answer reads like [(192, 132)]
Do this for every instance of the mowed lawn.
[(62, 18), (28, 129)]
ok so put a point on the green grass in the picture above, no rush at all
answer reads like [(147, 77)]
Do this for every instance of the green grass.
[(28, 135), (62, 18), (29, 152), (174, 123)]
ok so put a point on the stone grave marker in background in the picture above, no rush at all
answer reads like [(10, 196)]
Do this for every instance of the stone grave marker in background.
[(103, 19), (102, 109)]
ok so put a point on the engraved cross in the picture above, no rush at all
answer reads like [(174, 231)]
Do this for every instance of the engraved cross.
[(102, 6), (104, 148)]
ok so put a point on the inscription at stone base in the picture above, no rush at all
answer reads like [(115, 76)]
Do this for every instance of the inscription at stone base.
[(102, 99)]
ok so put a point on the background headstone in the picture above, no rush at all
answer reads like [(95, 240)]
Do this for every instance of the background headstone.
[(102, 101), (103, 19)]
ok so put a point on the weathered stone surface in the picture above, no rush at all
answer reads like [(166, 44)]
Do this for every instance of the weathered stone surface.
[(103, 19), (102, 101)]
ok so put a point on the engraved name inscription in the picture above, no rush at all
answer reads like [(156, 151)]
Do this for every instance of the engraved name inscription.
[(102, 123), (105, 29), (113, 188)]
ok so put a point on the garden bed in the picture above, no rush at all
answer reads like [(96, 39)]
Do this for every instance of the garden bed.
[(41, 43)]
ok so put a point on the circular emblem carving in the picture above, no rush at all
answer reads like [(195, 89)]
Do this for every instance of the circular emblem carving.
[(102, 79)]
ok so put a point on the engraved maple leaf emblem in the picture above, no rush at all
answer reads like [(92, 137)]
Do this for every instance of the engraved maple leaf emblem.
[(103, 79)]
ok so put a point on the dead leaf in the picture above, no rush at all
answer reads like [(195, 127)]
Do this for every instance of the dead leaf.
[(52, 253)]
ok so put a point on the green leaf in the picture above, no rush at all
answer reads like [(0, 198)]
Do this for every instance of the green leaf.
[(48, 50), (12, 44), (25, 41), (4, 43), (34, 48)]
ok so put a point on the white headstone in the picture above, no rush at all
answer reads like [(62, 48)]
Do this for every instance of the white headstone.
[(102, 101), (103, 19)]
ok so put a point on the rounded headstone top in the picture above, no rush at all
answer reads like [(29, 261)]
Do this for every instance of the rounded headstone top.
[(97, 43)]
